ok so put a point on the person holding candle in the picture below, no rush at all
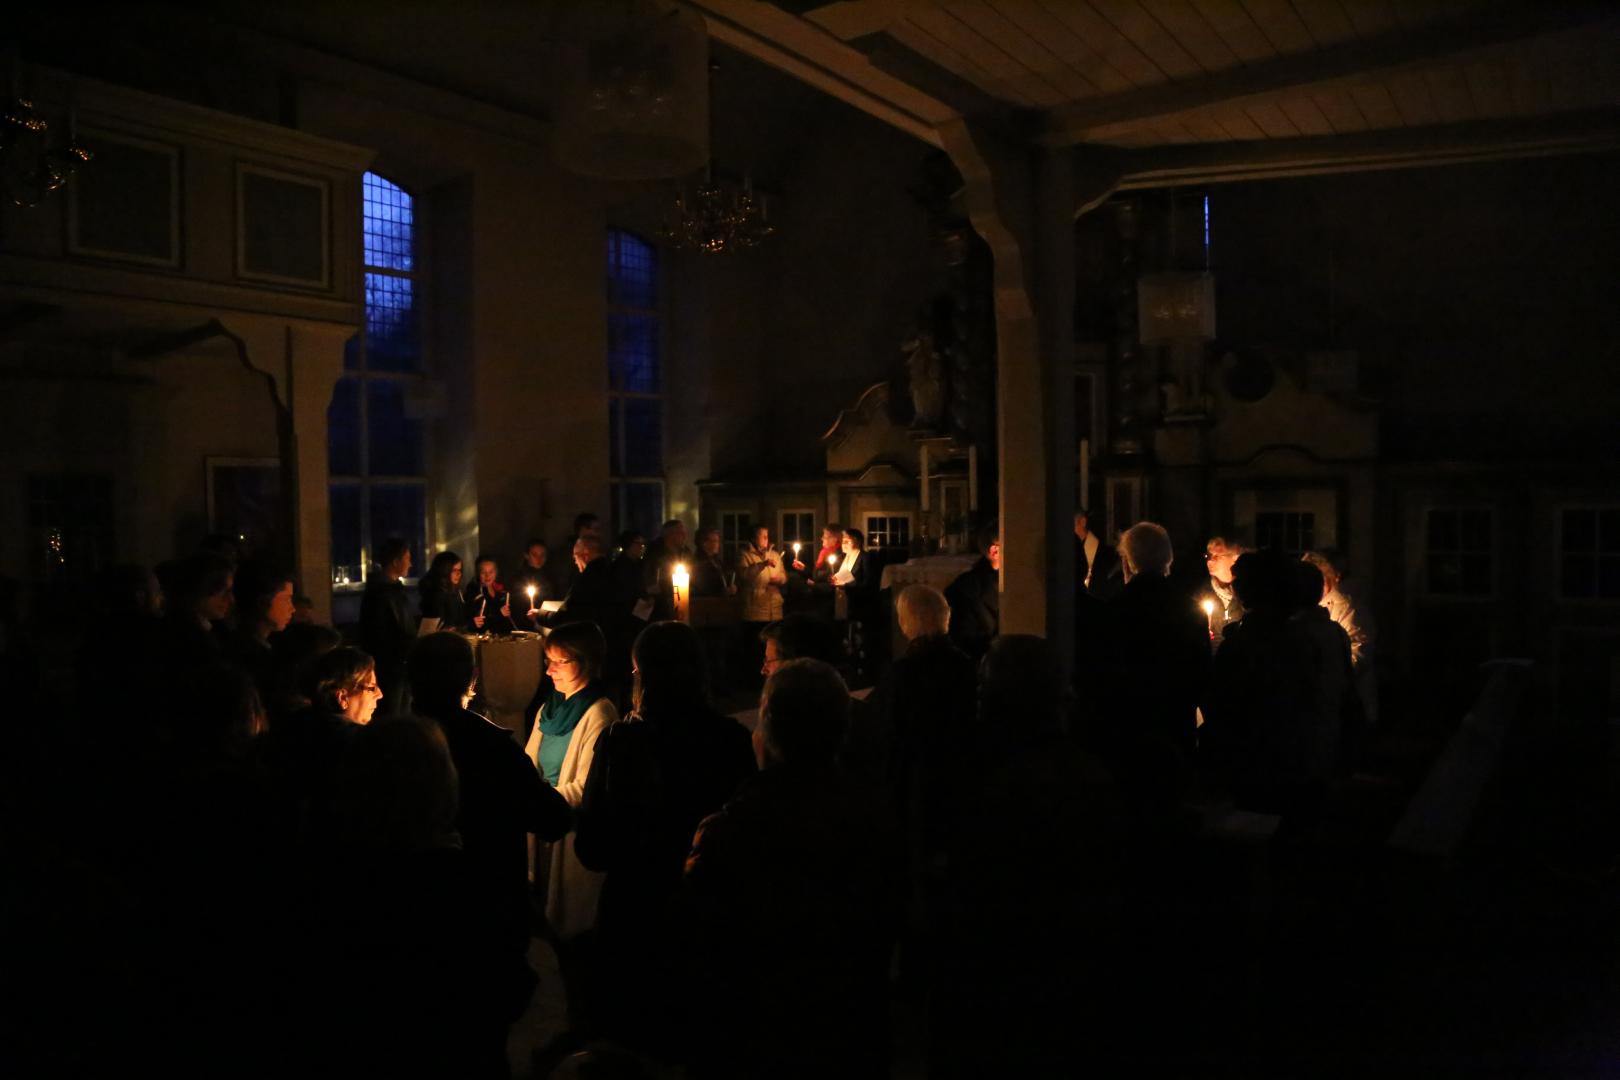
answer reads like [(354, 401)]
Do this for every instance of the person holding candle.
[(1220, 554), (562, 746), (832, 547), (760, 576), (672, 549), (489, 609), (537, 575), (440, 592)]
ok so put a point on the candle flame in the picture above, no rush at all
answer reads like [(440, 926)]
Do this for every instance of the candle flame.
[(1209, 608), (680, 578)]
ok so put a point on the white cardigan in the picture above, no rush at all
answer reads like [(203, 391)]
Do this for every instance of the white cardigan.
[(571, 890)]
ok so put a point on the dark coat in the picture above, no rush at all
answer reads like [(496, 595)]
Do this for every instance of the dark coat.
[(650, 784), (975, 600), (709, 576), (387, 631), (910, 738), (1276, 703), (1156, 649), (302, 757), (444, 602), (503, 800), (796, 888)]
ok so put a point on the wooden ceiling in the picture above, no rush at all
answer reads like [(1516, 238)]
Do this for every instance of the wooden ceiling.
[(1141, 74)]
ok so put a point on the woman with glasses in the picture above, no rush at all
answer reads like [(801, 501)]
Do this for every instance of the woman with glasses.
[(562, 745), (304, 751)]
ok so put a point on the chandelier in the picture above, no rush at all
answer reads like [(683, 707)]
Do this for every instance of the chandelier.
[(716, 218), (30, 167)]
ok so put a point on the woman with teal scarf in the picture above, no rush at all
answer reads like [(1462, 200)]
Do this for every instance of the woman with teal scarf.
[(561, 746)]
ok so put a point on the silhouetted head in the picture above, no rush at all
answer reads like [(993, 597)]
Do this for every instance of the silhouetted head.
[(1144, 550), (671, 673), (803, 715), (800, 637), (923, 612), (1265, 581), (399, 789), (442, 670), (1308, 590), (264, 597)]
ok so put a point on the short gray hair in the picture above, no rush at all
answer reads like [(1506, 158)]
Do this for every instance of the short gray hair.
[(923, 611), (1146, 547)]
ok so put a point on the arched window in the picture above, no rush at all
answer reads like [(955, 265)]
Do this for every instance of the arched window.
[(635, 383), (377, 451)]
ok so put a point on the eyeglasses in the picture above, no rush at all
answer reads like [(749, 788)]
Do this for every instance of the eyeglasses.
[(560, 661)]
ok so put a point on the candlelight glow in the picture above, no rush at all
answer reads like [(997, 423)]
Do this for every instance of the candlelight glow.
[(796, 546), (832, 560), (681, 579), (1209, 608), (531, 591)]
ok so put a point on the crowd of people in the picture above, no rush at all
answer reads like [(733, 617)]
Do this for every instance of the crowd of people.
[(317, 856)]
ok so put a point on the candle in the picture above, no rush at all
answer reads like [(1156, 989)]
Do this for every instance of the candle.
[(832, 560), (682, 581), (796, 546), (1209, 616), (531, 591)]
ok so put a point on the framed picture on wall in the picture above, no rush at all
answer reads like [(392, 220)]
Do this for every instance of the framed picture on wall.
[(244, 501), (126, 208), (282, 227)]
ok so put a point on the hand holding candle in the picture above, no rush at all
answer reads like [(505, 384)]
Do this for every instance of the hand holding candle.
[(797, 565)]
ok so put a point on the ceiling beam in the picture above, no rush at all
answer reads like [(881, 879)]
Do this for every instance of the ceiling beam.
[(1482, 37), (1404, 148)]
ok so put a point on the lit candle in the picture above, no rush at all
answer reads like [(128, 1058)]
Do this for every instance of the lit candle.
[(682, 581), (531, 591), (796, 546), (1209, 616), (832, 561)]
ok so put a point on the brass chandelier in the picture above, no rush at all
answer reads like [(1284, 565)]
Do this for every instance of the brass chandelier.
[(716, 218)]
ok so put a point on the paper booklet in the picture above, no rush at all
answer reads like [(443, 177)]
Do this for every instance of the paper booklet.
[(548, 606), (843, 577), (642, 610), (430, 625)]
